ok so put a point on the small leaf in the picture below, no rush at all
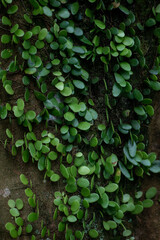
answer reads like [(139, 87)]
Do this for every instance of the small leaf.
[(42, 34), (93, 233), (23, 179), (126, 233), (99, 24), (150, 22), (139, 110), (71, 219), (69, 116), (13, 9), (74, 8), (9, 89), (5, 39), (64, 13), (32, 217), (47, 11), (55, 177), (6, 53), (125, 66), (30, 115), (83, 170), (120, 80), (147, 203), (19, 204), (14, 212), (29, 228), (13, 233), (111, 187), (84, 126), (11, 203), (78, 84), (151, 192), (20, 104), (124, 170)]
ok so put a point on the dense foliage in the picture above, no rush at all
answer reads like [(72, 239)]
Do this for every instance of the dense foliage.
[(95, 83)]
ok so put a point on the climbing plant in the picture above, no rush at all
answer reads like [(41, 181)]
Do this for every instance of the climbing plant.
[(94, 84)]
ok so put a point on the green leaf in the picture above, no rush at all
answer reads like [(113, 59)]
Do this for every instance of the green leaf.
[(30, 115), (124, 170), (83, 170), (19, 33), (19, 143), (74, 8), (19, 221), (30, 71), (71, 218), (40, 96), (83, 182), (6, 21), (64, 13), (78, 32), (84, 126), (13, 9), (28, 192), (9, 89), (64, 171), (13, 233), (93, 233), (11, 203), (138, 209), (128, 41), (19, 204), (75, 206), (111, 187), (124, 9), (127, 233), (99, 24), (14, 212), (157, 32), (47, 11), (27, 18), (78, 84), (79, 50), (158, 8), (112, 224), (69, 116), (120, 80), (132, 147), (106, 226), (42, 34), (5, 39), (94, 197), (3, 112), (66, 91), (116, 91), (147, 203), (139, 110), (151, 192), (52, 155), (23, 179), (125, 66), (150, 22), (154, 85), (20, 104), (9, 226), (29, 228), (55, 177), (138, 95), (32, 217), (6, 53), (150, 110)]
